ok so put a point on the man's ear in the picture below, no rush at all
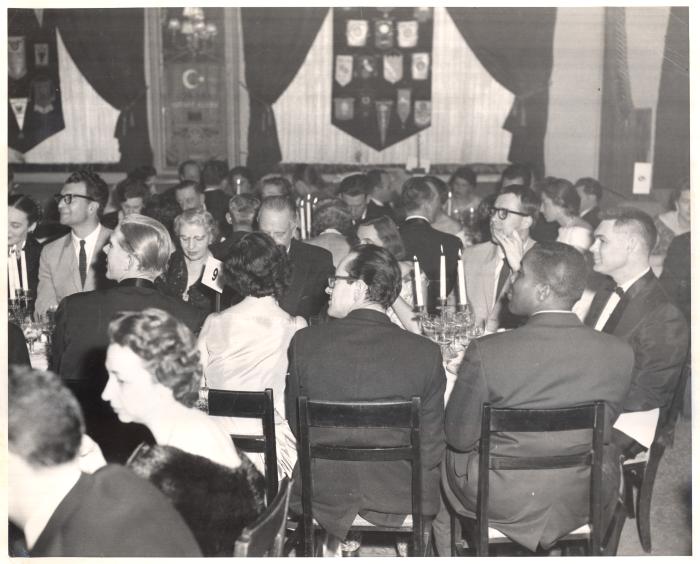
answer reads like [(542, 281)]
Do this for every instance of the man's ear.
[(360, 290), (543, 292), (228, 218)]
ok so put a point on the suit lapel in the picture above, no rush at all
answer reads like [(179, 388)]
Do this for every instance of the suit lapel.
[(599, 300), (633, 306), (68, 268)]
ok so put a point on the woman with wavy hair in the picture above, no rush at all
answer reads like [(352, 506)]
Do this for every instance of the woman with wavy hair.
[(154, 377), (244, 348), (560, 203)]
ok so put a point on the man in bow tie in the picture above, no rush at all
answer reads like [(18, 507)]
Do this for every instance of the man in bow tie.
[(638, 311)]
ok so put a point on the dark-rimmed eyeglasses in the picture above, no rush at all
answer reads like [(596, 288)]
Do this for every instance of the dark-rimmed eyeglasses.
[(332, 280), (503, 212), (68, 198)]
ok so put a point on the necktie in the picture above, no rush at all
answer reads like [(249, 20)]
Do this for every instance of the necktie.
[(616, 313), (502, 278), (82, 263)]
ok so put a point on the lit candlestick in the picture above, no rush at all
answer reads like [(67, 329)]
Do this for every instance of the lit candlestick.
[(14, 274), (419, 284), (443, 280), (238, 185), (10, 275), (449, 203), (302, 216), (23, 263), (308, 215), (461, 283)]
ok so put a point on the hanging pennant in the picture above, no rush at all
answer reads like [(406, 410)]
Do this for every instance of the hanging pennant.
[(403, 105), (343, 69), (408, 34), (393, 68), (356, 33), (44, 95), (383, 34), (383, 114), (421, 113), (16, 57), (41, 54), (367, 66), (365, 106), (344, 109), (420, 65), (19, 109)]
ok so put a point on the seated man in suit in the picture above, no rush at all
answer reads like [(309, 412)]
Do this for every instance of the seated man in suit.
[(591, 192), (64, 512), (74, 263), (638, 311), (311, 266), (552, 361), (422, 203), (488, 266), (355, 190), (380, 195), (137, 253), (363, 356)]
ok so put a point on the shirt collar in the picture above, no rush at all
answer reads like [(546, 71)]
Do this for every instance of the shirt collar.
[(416, 216), (552, 311), (89, 240), (331, 230), (373, 199)]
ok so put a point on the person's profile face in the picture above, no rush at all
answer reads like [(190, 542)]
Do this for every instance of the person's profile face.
[(522, 296), (357, 205), (610, 248), (367, 234), (683, 205), (118, 260), (343, 294), (278, 224), (79, 210), (188, 198), (548, 208), (461, 186), (17, 227)]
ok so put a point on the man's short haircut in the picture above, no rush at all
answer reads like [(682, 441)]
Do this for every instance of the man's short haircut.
[(245, 205), (147, 240), (280, 181), (130, 188), (416, 192), (184, 164), (529, 199), (189, 184), (95, 187), (331, 213), (355, 185), (44, 423), (278, 203), (256, 266), (389, 235), (379, 270), (516, 170), (562, 193), (214, 172), (374, 177), (466, 173), (243, 171), (590, 186), (561, 267), (637, 221), (143, 172), (166, 346), (441, 186)]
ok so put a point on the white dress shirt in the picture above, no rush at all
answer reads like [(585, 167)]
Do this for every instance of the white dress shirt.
[(613, 300), (90, 243)]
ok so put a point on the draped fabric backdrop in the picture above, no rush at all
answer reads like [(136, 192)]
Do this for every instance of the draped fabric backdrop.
[(469, 107), (515, 46), (275, 44), (107, 47), (672, 143)]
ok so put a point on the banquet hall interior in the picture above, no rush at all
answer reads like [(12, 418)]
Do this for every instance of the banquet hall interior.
[(349, 281)]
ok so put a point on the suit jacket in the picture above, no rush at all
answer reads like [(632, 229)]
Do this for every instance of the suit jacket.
[(80, 344), (480, 263), (216, 202), (375, 211), (58, 271), (364, 356), (658, 333), (17, 352), (592, 217), (422, 241), (675, 278), (334, 243), (553, 361), (114, 512), (311, 267)]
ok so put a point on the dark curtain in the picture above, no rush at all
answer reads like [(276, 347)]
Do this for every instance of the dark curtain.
[(275, 44), (617, 126), (515, 47), (672, 142), (107, 47)]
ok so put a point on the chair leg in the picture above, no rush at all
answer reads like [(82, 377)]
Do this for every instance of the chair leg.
[(453, 535), (611, 539), (628, 485), (644, 500)]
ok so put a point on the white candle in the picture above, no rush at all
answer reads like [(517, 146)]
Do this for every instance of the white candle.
[(461, 283), (419, 284), (443, 280), (449, 203), (25, 279), (14, 274), (308, 215), (10, 275), (238, 185), (302, 216)]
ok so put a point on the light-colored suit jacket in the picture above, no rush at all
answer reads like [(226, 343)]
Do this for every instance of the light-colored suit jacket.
[(58, 271), (480, 263)]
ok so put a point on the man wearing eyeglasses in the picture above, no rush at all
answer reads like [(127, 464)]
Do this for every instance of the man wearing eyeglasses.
[(488, 266), (74, 262)]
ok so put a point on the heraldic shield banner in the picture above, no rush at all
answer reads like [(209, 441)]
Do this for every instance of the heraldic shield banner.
[(382, 73)]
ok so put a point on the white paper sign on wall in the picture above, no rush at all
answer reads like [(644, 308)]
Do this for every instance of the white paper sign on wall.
[(642, 178)]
